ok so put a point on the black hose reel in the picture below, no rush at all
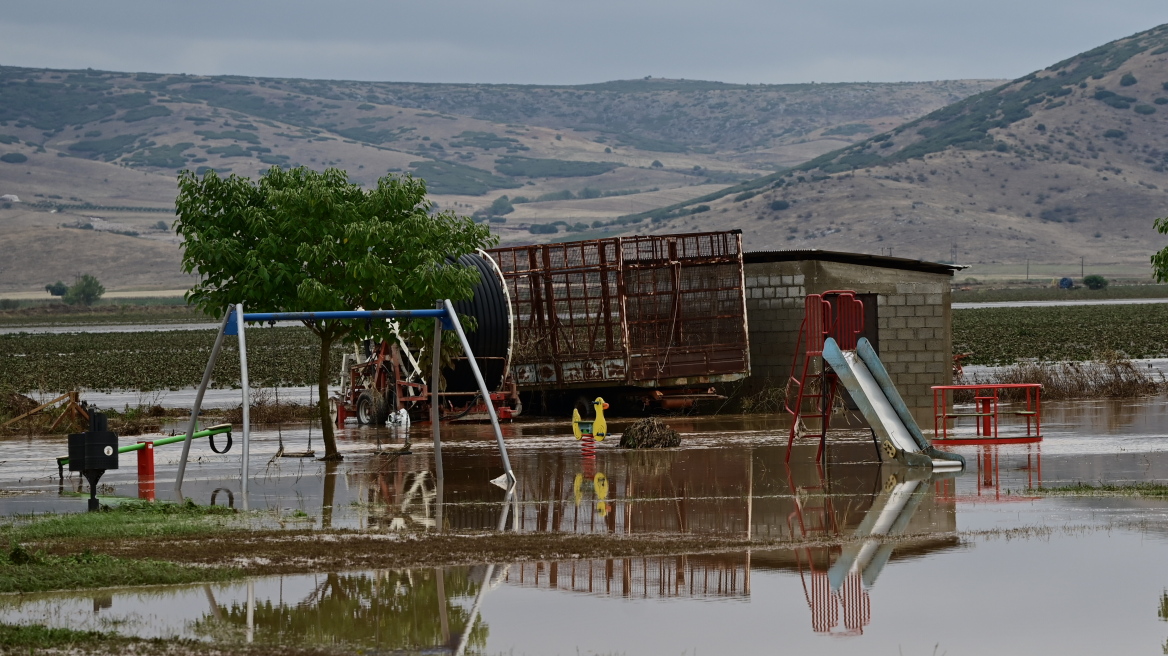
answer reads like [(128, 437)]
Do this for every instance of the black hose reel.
[(491, 339)]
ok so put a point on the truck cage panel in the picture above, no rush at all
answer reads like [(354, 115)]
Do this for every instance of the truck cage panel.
[(643, 311)]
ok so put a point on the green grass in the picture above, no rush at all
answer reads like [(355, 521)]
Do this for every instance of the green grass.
[(28, 569), (1050, 294), (29, 637), (999, 336), (25, 571), (1149, 490), (129, 519)]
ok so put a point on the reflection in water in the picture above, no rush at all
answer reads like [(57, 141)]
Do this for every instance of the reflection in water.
[(723, 576), (406, 609)]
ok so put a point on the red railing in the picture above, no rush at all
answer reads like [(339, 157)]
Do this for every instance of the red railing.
[(986, 410)]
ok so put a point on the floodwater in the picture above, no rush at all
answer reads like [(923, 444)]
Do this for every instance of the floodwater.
[(979, 563), (1017, 304)]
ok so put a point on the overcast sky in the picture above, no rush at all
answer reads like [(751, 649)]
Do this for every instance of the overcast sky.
[(559, 42)]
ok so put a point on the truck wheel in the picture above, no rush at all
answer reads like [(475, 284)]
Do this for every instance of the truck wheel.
[(370, 408)]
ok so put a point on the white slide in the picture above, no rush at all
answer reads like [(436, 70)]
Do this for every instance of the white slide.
[(897, 432), (863, 374)]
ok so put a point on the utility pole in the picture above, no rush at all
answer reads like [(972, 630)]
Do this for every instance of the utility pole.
[(1027, 269), (1081, 266)]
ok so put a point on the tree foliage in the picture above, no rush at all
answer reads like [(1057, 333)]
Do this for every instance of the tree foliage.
[(1160, 258), (300, 240), (84, 291), (1095, 281)]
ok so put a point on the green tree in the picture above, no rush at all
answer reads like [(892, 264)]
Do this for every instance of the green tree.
[(1095, 281), (84, 291), (57, 289), (502, 205), (300, 240)]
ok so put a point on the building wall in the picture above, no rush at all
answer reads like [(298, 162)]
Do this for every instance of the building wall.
[(915, 322)]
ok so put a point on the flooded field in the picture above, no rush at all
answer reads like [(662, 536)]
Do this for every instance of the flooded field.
[(881, 559)]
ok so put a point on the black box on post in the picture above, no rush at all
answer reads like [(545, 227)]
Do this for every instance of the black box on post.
[(93, 450)]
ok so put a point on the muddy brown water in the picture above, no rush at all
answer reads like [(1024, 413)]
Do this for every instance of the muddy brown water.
[(979, 564)]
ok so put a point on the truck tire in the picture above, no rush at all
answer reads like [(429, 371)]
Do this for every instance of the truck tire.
[(371, 409)]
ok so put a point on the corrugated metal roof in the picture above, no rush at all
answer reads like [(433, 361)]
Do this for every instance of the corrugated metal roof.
[(862, 259)]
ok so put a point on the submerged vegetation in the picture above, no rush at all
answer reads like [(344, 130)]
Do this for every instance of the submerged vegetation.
[(1150, 490), (1109, 376)]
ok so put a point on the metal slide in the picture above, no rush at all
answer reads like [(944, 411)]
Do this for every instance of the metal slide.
[(889, 515), (863, 374)]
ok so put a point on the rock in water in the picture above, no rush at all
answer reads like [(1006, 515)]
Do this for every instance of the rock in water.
[(649, 433)]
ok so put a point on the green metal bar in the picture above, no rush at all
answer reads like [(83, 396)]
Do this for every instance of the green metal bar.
[(214, 430)]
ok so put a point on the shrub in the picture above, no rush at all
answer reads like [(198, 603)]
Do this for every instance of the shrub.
[(501, 206), (450, 178), (657, 163), (1127, 80), (85, 291), (699, 209), (1161, 101), (14, 158), (1095, 281), (1115, 134), (543, 229), (556, 195), (1145, 109), (366, 107), (143, 113), (57, 289), (779, 205), (550, 168)]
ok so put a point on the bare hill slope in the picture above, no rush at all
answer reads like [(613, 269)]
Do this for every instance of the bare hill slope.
[(1065, 163)]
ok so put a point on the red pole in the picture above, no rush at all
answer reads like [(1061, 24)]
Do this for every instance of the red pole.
[(146, 470)]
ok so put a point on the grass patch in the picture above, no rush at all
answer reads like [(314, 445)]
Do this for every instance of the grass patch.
[(22, 571), (35, 636), (127, 520), (1146, 490)]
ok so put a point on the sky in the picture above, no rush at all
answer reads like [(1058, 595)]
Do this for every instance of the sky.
[(559, 42)]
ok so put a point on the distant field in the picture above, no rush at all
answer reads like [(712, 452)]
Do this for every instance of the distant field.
[(999, 336), (155, 360), (1049, 294), (143, 311)]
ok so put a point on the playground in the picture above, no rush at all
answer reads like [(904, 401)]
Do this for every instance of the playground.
[(442, 536)]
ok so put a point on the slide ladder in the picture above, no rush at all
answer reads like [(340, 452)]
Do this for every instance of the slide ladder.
[(836, 315)]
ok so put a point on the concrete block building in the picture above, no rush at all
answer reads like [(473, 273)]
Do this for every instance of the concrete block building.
[(907, 315)]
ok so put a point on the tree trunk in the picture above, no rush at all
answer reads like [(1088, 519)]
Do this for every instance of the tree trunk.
[(322, 381)]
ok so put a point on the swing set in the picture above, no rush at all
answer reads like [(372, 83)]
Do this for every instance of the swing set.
[(234, 323)]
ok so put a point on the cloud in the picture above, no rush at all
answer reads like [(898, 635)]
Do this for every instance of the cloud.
[(524, 41)]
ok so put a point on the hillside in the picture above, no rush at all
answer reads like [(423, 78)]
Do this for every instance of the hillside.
[(1066, 163), (82, 144)]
